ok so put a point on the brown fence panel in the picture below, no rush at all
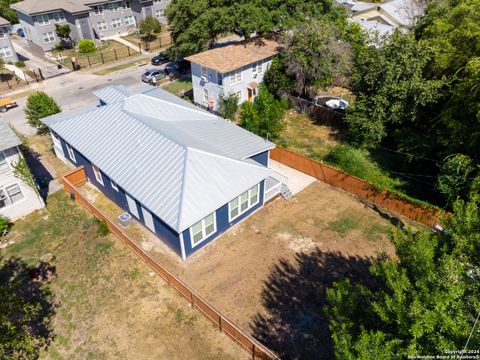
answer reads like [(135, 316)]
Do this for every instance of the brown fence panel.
[(422, 214), (257, 350)]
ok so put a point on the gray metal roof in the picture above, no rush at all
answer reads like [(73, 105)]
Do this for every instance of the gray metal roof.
[(113, 93), (4, 22), (180, 162), (8, 139), (32, 7)]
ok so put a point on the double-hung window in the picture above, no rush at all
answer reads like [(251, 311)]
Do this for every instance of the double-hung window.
[(219, 79), (129, 20), (205, 95), (4, 167), (244, 202), (71, 154), (115, 6), (48, 37), (114, 185), (58, 16), (98, 174), (157, 1), (102, 26), (160, 14), (235, 77), (5, 52), (116, 23), (98, 9), (203, 229), (10, 195), (2, 34), (257, 68), (127, 5), (43, 19), (204, 72)]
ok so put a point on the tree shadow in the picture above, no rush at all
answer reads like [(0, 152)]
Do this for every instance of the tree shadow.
[(27, 308), (41, 174), (294, 323)]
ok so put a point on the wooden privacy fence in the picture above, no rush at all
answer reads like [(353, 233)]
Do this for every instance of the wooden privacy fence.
[(317, 112), (76, 178), (422, 214)]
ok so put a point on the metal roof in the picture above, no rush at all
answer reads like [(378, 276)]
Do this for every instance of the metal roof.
[(8, 139), (113, 93), (181, 163), (32, 7), (4, 22)]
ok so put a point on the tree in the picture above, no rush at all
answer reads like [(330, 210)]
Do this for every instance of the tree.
[(26, 312), (276, 78), (424, 302), (150, 27), (229, 106), (86, 46), (455, 178), (40, 105), (63, 32), (392, 88), (7, 12), (265, 116), (315, 57)]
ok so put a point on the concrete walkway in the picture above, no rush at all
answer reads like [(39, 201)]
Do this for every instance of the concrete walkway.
[(18, 72), (297, 181), (126, 43)]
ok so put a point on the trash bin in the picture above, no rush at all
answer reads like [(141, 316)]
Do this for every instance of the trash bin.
[(59, 66), (125, 220)]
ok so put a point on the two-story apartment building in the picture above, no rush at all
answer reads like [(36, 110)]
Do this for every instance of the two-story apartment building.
[(233, 69), (17, 199), (88, 19), (7, 52)]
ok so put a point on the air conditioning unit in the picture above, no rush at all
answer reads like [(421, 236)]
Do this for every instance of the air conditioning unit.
[(203, 78), (125, 220)]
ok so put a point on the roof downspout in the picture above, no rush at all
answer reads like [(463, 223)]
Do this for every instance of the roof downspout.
[(182, 246)]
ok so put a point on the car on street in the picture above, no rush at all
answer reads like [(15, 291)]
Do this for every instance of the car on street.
[(148, 75), (159, 59)]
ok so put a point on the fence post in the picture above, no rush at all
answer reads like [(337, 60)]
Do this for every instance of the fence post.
[(115, 53), (128, 49), (160, 41), (103, 60), (89, 64), (140, 48), (41, 74)]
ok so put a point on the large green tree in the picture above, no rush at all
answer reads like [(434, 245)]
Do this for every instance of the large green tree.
[(40, 105), (425, 301), (7, 12)]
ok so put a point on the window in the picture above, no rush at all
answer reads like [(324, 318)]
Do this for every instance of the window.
[(3, 163), (98, 9), (48, 37), (102, 26), (10, 195), (43, 19), (241, 204), (126, 4), (236, 77), (203, 229), (2, 34), (157, 1), (114, 185), (115, 6), (159, 14), (205, 95), (239, 95), (257, 68), (129, 20), (204, 71), (5, 52), (71, 154), (56, 141), (58, 16), (98, 174), (219, 79), (116, 23)]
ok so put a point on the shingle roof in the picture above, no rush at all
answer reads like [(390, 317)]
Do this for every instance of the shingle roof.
[(181, 163), (32, 7), (233, 57), (399, 10), (4, 22), (8, 139)]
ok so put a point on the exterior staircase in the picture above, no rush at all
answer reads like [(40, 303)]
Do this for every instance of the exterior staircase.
[(286, 193)]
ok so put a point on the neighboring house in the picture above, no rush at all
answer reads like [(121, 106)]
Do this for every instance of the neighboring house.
[(233, 69), (88, 19), (17, 199), (385, 17), (7, 52), (186, 174)]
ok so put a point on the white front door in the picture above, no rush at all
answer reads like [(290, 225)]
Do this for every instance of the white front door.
[(132, 206), (148, 219)]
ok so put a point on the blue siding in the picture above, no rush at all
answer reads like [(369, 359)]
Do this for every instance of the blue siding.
[(222, 224), (162, 230), (262, 158)]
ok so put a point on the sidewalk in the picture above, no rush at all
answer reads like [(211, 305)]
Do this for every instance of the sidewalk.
[(126, 43), (18, 72)]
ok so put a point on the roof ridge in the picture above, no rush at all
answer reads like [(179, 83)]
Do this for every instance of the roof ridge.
[(182, 190)]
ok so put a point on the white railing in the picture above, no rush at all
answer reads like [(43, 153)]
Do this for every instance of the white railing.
[(274, 190)]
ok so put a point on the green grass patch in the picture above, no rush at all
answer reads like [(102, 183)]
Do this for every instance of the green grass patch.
[(115, 68), (344, 224), (178, 86), (375, 231)]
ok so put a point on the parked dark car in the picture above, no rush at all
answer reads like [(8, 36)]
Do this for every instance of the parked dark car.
[(148, 75), (160, 59), (20, 32)]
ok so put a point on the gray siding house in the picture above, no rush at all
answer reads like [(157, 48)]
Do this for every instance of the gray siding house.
[(236, 69), (88, 19), (184, 173), (17, 199), (7, 52)]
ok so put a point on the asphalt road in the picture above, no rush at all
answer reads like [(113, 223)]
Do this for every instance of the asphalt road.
[(73, 90)]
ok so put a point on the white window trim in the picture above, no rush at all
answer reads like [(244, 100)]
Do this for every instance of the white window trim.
[(43, 23), (4, 188), (71, 154), (114, 185), (98, 174), (130, 20), (9, 166), (116, 23), (205, 236), (3, 34), (104, 26), (6, 52), (205, 92), (49, 38), (233, 77), (250, 205)]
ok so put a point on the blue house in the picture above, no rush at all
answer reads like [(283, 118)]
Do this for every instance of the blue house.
[(186, 174)]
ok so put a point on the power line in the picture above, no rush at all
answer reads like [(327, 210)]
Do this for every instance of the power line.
[(471, 332)]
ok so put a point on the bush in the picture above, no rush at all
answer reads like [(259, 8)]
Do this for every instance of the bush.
[(4, 224), (149, 27), (58, 47), (86, 46), (229, 106), (38, 106), (103, 229), (2, 64), (20, 64)]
